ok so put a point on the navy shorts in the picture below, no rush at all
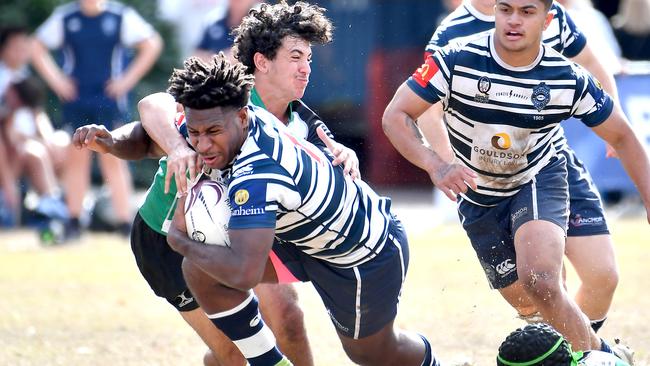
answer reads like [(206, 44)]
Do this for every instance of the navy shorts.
[(492, 229), (160, 265), (360, 300), (99, 110), (587, 216)]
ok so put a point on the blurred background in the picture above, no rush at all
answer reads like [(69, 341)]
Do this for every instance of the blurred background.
[(377, 45)]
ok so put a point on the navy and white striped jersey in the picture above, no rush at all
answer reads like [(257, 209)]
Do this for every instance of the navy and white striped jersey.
[(283, 182), (502, 120), (466, 23)]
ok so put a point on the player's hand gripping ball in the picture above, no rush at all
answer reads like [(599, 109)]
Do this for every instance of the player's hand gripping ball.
[(207, 213)]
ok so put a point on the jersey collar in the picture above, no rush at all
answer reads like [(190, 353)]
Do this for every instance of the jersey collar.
[(503, 64), (477, 14)]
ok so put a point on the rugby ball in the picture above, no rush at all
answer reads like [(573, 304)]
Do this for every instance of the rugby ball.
[(207, 213)]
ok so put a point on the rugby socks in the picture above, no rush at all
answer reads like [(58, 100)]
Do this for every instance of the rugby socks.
[(597, 324), (245, 327), (429, 358)]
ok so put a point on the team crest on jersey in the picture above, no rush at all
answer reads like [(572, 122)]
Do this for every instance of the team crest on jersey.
[(541, 96), (109, 25), (74, 25), (241, 197), (484, 84)]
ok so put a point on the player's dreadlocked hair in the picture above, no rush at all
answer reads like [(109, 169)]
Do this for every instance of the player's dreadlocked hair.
[(535, 342), (218, 83), (263, 29)]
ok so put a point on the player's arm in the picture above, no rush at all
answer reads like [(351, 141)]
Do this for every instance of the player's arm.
[(240, 266), (433, 128), (44, 64), (128, 142), (158, 114), (399, 126), (619, 134)]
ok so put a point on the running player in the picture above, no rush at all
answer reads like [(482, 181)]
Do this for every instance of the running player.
[(505, 95), (589, 246)]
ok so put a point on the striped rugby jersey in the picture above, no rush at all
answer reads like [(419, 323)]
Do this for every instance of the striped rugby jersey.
[(466, 23), (502, 120), (281, 182)]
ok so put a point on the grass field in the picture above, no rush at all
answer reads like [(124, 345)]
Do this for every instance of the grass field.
[(86, 303)]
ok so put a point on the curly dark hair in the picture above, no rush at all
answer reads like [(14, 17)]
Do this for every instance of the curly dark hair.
[(531, 342), (218, 83), (263, 29)]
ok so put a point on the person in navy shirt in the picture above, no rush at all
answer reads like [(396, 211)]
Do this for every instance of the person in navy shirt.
[(93, 82), (216, 35)]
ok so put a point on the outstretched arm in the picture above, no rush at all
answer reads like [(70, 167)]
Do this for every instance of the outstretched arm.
[(617, 132), (129, 142), (399, 126), (158, 113)]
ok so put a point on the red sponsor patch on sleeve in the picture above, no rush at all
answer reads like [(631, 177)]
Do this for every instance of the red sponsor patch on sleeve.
[(425, 72), (179, 119)]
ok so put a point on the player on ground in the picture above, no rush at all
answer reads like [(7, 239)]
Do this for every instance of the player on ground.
[(505, 95), (331, 230), (589, 246), (541, 345)]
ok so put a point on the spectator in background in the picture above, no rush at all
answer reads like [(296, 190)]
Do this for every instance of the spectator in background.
[(21, 156), (592, 22), (216, 36), (27, 100), (632, 29), (25, 155), (93, 85), (187, 18), (14, 55)]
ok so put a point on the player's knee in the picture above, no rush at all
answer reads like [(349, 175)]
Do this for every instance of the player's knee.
[(605, 280), (541, 285), (292, 327)]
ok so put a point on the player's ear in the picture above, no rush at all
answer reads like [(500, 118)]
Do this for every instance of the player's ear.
[(261, 62), (243, 116)]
